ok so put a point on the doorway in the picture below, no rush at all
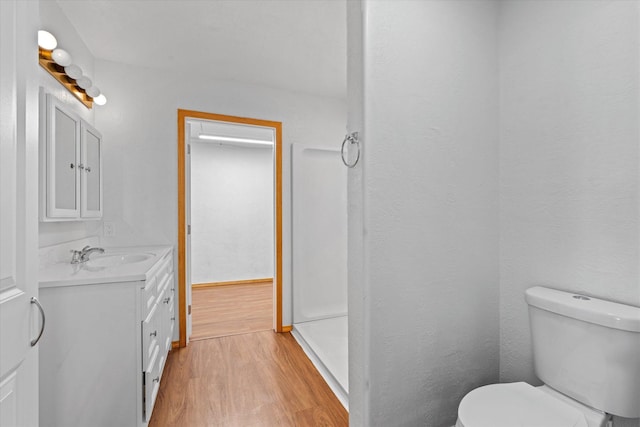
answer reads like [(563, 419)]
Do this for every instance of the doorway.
[(223, 129)]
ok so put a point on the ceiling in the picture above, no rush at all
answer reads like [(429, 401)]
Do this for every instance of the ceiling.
[(297, 45)]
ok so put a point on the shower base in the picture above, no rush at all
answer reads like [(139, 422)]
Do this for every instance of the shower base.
[(325, 342)]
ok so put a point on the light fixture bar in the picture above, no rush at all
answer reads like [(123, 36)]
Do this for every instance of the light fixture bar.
[(59, 64), (232, 139)]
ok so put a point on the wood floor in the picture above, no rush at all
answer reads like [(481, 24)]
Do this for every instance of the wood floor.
[(256, 379), (231, 309)]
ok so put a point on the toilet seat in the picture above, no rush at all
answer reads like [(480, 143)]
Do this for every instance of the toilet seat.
[(516, 404)]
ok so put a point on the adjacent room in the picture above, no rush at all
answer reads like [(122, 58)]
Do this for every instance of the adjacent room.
[(231, 254)]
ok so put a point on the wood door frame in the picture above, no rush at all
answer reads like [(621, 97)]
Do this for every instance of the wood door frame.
[(183, 115)]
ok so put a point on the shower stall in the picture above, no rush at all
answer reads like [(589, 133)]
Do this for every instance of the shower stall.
[(319, 211)]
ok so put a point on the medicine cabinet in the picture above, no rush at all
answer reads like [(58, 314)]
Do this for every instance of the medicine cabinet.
[(71, 158)]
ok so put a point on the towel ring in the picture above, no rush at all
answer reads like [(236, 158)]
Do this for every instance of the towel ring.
[(353, 139)]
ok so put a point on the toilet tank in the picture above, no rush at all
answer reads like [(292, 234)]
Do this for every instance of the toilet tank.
[(587, 349)]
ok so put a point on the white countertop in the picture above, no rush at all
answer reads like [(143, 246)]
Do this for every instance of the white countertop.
[(67, 274)]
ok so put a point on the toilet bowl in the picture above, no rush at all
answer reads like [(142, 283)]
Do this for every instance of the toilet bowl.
[(586, 351), (523, 405)]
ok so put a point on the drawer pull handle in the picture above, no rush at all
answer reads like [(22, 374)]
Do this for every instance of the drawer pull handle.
[(156, 380), (153, 334), (166, 300), (173, 318)]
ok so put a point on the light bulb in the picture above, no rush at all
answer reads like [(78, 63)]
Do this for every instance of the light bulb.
[(100, 99), (46, 40), (84, 82), (61, 57), (93, 91), (73, 71)]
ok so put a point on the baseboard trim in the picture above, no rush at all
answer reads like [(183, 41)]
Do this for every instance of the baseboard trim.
[(175, 344), (233, 282)]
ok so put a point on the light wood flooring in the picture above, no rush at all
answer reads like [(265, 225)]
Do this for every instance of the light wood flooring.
[(255, 379), (231, 309)]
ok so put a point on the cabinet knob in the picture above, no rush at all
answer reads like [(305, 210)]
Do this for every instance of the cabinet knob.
[(166, 300), (156, 380), (88, 168), (153, 334), (81, 166), (71, 166), (173, 318)]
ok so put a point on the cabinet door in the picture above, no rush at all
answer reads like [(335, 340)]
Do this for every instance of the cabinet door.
[(62, 147), (90, 170)]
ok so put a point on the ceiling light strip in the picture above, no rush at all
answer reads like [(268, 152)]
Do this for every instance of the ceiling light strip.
[(232, 139)]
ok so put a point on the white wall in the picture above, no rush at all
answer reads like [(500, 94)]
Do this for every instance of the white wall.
[(53, 20), (231, 212), (569, 159), (430, 210), (139, 125)]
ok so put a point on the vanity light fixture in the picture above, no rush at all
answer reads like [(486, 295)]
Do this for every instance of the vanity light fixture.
[(61, 57), (84, 82), (73, 71), (93, 92), (100, 99), (59, 64), (232, 139), (46, 40)]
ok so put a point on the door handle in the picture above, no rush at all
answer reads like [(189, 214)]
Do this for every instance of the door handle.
[(35, 301)]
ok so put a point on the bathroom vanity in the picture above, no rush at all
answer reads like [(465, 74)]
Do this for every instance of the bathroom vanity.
[(109, 328)]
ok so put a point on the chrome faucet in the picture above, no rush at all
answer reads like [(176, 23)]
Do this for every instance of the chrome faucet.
[(83, 255)]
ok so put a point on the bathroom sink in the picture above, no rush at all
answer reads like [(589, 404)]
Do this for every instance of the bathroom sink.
[(112, 260)]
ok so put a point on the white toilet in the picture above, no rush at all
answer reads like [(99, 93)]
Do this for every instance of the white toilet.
[(587, 353)]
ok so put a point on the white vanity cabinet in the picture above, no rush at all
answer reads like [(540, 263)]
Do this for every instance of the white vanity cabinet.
[(105, 347), (71, 158), (158, 322)]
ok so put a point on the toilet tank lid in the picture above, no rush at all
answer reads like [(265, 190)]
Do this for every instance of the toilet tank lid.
[(593, 310)]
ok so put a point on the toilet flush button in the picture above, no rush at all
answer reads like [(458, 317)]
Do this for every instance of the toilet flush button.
[(582, 298)]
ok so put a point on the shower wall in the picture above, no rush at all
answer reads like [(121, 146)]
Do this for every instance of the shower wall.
[(319, 210)]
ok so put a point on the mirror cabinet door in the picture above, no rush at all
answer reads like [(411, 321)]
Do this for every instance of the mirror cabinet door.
[(91, 174), (63, 141)]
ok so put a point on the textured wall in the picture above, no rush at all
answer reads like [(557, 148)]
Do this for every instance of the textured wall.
[(356, 297), (231, 212), (568, 159), (430, 172)]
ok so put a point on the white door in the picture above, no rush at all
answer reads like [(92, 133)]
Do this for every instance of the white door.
[(19, 317)]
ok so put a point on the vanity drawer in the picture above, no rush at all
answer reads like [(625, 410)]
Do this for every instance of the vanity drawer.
[(163, 283), (166, 268), (156, 284), (151, 383), (148, 296), (169, 317), (151, 327)]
